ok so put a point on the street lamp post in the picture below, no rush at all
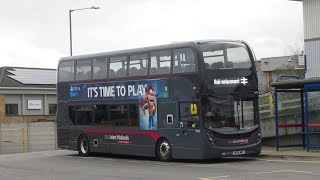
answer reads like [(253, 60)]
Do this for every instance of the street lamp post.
[(70, 11)]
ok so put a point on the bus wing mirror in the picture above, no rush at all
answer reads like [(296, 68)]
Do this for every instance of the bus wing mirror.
[(194, 109)]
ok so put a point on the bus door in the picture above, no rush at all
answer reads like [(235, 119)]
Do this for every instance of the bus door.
[(168, 120), (189, 136)]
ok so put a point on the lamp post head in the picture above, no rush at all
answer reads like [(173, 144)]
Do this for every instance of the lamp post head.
[(92, 7), (95, 7)]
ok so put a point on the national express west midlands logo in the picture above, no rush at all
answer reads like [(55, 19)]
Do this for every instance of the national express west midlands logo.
[(243, 81), (75, 90)]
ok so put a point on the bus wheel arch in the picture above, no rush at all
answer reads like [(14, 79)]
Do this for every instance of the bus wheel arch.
[(163, 149), (83, 145)]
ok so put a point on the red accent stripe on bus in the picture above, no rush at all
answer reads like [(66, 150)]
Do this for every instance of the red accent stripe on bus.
[(154, 135)]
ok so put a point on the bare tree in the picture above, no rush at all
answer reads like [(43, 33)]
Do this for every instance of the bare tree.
[(295, 49)]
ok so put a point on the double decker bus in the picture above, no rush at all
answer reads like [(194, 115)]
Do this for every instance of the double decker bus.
[(190, 100)]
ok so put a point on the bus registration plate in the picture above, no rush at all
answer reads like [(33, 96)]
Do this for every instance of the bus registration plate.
[(235, 153)]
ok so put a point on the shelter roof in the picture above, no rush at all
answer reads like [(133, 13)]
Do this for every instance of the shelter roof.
[(295, 84)]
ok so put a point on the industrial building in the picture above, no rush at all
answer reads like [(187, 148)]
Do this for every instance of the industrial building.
[(28, 107), (311, 21), (27, 94)]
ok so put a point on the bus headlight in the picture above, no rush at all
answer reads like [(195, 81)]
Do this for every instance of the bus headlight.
[(211, 137), (258, 136)]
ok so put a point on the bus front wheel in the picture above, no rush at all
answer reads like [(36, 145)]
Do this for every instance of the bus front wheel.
[(84, 148), (164, 150)]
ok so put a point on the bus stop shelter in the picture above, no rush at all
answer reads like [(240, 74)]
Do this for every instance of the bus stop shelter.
[(301, 86)]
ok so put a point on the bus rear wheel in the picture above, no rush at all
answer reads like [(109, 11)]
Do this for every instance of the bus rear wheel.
[(164, 150), (84, 148)]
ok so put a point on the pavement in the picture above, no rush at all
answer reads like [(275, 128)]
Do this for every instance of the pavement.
[(290, 153)]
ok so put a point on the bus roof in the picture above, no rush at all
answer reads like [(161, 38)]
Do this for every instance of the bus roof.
[(146, 49)]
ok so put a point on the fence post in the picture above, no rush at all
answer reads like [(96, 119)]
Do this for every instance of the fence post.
[(22, 130), (28, 136), (0, 138), (56, 135)]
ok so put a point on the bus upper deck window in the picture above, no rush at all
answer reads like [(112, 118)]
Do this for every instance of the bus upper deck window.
[(160, 62), (213, 59), (225, 55), (138, 65), (118, 66), (83, 70), (184, 60), (238, 57), (66, 71), (100, 68)]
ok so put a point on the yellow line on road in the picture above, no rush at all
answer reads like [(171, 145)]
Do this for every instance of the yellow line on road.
[(212, 178)]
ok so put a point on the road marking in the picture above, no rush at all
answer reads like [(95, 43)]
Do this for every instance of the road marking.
[(211, 178), (138, 162), (289, 161), (108, 159), (267, 172), (87, 157), (203, 166), (163, 164), (283, 171), (256, 162), (306, 172)]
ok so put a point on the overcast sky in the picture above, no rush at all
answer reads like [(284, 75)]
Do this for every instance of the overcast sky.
[(35, 33)]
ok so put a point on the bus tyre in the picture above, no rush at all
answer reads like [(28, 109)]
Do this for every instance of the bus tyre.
[(164, 150), (84, 147)]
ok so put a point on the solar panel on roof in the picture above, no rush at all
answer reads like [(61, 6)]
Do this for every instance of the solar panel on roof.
[(33, 76)]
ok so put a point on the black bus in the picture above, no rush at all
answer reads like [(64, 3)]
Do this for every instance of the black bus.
[(190, 100)]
